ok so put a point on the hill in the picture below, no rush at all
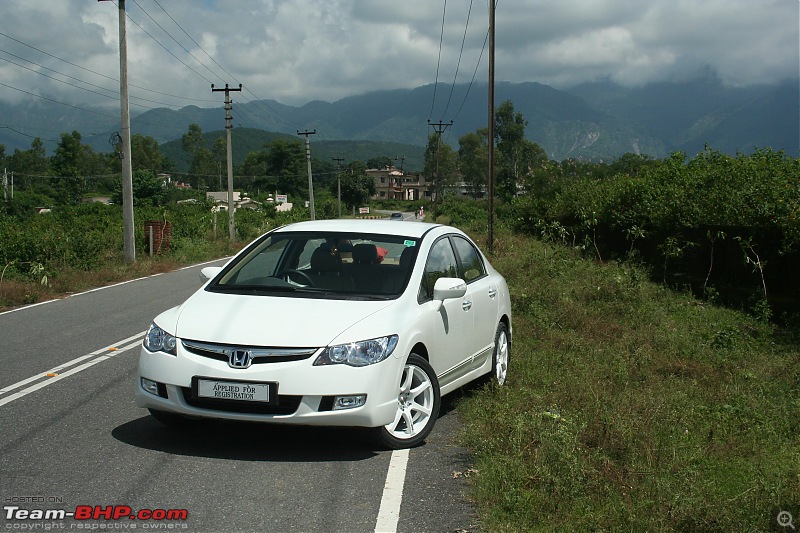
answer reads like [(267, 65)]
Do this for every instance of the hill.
[(246, 140), (600, 120)]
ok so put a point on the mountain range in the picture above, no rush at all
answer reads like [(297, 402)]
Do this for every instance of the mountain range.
[(598, 121)]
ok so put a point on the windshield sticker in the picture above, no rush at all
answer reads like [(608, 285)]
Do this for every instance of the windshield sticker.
[(410, 243)]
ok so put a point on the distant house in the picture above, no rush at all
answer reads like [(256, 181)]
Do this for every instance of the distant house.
[(240, 200), (221, 197), (393, 184)]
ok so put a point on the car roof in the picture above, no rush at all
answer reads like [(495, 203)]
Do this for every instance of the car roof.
[(388, 227)]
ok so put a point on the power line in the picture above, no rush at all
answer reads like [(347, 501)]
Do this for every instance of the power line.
[(173, 38), (165, 48), (57, 102), (439, 60), (25, 134), (258, 102), (474, 73), (458, 65), (111, 96), (116, 80)]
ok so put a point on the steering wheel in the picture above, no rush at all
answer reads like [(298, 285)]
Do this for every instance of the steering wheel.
[(287, 274)]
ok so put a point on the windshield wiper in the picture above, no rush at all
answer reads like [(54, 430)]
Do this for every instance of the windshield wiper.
[(253, 289)]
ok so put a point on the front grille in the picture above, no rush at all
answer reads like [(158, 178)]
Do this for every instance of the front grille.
[(260, 354), (287, 404)]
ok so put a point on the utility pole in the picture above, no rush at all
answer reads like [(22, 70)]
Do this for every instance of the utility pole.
[(308, 162), (339, 181), (229, 156), (439, 128), (490, 192), (129, 240), (401, 158)]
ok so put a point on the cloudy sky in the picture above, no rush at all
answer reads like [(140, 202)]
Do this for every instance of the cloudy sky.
[(295, 51)]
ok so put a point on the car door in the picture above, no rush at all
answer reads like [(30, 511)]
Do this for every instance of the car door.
[(483, 296), (452, 323)]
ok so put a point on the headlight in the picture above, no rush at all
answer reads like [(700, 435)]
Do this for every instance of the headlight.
[(360, 353), (158, 340)]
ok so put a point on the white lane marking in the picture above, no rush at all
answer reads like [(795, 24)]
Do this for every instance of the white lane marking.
[(389, 512), (43, 380), (106, 287)]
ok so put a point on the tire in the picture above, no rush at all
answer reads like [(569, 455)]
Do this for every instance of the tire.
[(418, 403), (171, 419), (501, 355)]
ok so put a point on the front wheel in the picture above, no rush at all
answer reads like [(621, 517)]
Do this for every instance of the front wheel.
[(418, 401)]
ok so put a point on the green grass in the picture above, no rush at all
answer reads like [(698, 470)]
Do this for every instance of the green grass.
[(631, 407)]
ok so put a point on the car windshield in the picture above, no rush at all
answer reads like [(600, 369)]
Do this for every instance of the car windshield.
[(330, 264)]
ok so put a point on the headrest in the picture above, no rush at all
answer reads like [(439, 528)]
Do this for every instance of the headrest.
[(406, 256), (365, 253), (323, 261)]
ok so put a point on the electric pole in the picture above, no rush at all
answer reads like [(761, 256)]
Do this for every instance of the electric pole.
[(129, 240), (339, 181), (229, 155), (439, 128), (492, 6), (308, 162)]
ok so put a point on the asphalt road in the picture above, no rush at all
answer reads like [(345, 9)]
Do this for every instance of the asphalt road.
[(75, 442)]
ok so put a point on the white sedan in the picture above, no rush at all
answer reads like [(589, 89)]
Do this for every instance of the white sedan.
[(362, 323)]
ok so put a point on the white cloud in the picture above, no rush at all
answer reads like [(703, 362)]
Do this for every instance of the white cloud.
[(295, 51)]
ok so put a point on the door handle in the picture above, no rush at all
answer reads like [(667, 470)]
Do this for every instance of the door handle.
[(466, 305), (492, 293)]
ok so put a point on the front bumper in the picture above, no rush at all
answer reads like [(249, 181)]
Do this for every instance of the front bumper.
[(305, 393)]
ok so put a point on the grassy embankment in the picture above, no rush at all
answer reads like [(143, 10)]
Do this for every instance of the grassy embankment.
[(631, 407)]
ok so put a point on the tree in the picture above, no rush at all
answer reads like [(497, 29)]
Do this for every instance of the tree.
[(440, 165), (254, 170), (516, 155), (146, 155), (379, 162), (28, 163), (473, 160), (67, 164), (204, 167), (148, 189), (286, 160), (357, 186)]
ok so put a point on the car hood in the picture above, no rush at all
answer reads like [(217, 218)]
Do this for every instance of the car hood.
[(267, 320)]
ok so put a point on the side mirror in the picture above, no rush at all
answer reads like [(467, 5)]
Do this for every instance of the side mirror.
[(209, 273), (446, 288)]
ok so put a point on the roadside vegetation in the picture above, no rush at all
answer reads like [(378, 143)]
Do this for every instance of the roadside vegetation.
[(631, 406), (655, 367)]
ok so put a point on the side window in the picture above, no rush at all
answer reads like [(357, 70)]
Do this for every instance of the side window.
[(470, 259), (441, 264)]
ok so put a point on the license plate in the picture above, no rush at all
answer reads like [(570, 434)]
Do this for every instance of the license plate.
[(233, 390)]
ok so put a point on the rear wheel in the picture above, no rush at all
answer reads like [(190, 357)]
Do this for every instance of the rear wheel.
[(418, 401), (500, 357)]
